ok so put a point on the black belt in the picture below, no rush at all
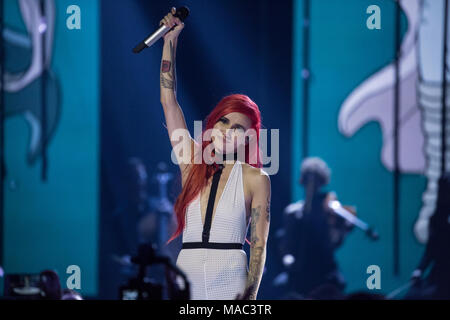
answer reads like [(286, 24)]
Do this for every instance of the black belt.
[(211, 245), (208, 219)]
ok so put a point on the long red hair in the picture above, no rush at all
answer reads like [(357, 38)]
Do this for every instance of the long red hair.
[(200, 173)]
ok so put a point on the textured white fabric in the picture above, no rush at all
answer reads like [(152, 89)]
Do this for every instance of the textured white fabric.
[(217, 274)]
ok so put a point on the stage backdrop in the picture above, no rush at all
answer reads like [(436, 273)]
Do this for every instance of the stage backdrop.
[(52, 224), (344, 52)]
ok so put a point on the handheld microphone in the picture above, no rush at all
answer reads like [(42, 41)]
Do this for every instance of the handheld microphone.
[(181, 13)]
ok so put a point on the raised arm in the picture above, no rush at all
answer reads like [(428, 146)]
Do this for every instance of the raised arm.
[(259, 229), (176, 125)]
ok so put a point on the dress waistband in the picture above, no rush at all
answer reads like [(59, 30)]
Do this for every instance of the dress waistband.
[(211, 245)]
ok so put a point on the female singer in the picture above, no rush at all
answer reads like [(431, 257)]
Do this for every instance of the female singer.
[(217, 200)]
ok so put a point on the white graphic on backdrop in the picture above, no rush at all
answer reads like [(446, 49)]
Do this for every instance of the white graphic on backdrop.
[(420, 91), (22, 85)]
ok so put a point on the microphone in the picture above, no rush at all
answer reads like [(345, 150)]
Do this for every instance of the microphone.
[(181, 13)]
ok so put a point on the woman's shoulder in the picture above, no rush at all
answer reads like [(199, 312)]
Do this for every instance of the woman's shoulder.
[(256, 176)]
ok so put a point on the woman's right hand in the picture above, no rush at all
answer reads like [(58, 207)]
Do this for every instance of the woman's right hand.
[(170, 21)]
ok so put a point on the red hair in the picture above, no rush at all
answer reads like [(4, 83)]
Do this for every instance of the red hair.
[(199, 173)]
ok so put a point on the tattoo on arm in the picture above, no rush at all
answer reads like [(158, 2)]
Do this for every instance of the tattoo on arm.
[(165, 66), (255, 217), (268, 210), (169, 81), (166, 83), (256, 256), (255, 270)]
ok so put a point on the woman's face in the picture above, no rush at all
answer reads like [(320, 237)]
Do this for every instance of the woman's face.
[(230, 133)]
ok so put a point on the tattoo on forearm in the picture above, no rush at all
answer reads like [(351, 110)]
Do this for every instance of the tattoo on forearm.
[(255, 270), (256, 212), (165, 66), (268, 210), (166, 83), (167, 74), (256, 256)]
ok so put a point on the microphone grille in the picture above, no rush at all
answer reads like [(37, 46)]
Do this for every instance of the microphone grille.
[(182, 13)]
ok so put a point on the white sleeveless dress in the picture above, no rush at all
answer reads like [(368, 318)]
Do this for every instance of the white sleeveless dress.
[(217, 274)]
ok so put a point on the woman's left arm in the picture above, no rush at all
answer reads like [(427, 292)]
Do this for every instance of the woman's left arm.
[(259, 229)]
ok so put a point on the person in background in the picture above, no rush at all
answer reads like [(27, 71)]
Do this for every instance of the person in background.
[(122, 232), (312, 233), (135, 207)]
